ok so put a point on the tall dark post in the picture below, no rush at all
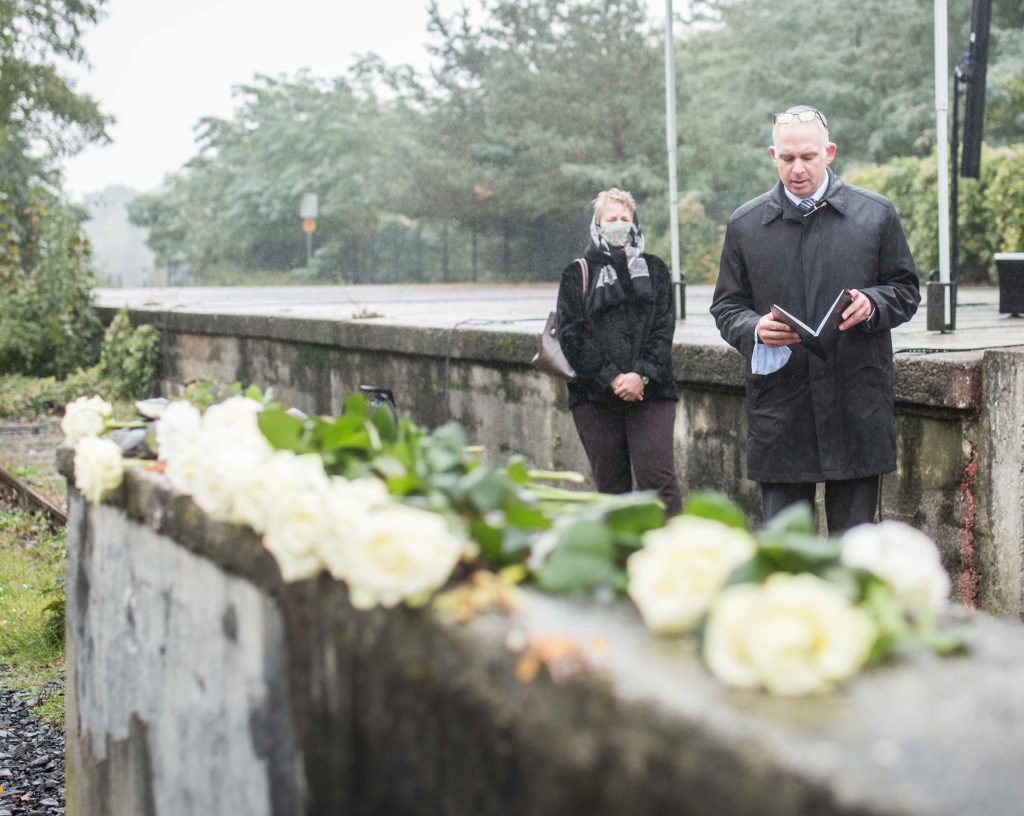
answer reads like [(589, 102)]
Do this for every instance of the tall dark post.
[(977, 67), (954, 184)]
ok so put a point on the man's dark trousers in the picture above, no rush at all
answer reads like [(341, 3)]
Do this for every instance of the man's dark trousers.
[(848, 502), (613, 435)]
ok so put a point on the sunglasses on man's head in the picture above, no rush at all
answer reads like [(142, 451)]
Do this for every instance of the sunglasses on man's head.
[(800, 116)]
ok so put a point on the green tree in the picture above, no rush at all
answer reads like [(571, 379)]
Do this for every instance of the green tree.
[(989, 208), (38, 106), (486, 167), (540, 105), (47, 325)]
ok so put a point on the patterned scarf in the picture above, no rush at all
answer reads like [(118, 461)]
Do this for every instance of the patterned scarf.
[(608, 290)]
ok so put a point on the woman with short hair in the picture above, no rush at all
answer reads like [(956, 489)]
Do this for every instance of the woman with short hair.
[(618, 338)]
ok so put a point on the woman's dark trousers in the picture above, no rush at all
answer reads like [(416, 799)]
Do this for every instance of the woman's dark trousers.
[(618, 434)]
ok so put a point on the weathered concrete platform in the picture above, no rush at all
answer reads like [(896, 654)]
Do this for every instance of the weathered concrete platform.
[(200, 684), (521, 309), (462, 352)]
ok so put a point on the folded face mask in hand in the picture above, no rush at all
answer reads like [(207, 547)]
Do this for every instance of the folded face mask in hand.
[(768, 359)]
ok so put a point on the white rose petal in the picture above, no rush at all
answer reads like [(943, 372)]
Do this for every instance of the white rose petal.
[(223, 468), (682, 568), (391, 555), (177, 427), (214, 465), (233, 415), (349, 505), (367, 492), (272, 483), (903, 557), (295, 532), (794, 635), (85, 416), (182, 467), (99, 467)]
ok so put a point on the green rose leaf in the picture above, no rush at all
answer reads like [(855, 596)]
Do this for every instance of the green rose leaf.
[(389, 467), (517, 471), (525, 516), (443, 450), (486, 489), (515, 541), (717, 507), (356, 405), (636, 518), (384, 422), (283, 431), (752, 571), (797, 518), (797, 552), (488, 537), (583, 559), (348, 431), (253, 392)]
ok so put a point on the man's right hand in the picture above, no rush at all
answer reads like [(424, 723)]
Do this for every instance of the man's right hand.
[(773, 333)]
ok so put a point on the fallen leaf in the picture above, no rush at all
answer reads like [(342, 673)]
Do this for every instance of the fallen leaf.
[(483, 591), (561, 656)]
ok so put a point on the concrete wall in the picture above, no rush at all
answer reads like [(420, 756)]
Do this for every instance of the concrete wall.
[(960, 417), (199, 684)]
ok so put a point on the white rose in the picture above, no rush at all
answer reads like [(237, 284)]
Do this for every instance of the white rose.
[(392, 554), (235, 415), (222, 467), (793, 635), (215, 465), (85, 416), (178, 426), (274, 482), (99, 468), (295, 532), (903, 557), (682, 568), (349, 505), (181, 468), (366, 492)]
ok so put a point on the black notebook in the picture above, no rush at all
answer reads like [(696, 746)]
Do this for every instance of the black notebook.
[(822, 340)]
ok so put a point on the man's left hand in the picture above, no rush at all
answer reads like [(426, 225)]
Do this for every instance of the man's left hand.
[(858, 311)]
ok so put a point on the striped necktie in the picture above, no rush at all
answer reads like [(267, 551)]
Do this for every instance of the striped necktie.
[(806, 205)]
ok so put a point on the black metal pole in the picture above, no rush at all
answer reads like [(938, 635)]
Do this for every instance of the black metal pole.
[(954, 199)]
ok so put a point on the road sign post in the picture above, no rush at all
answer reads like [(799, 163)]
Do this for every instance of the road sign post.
[(309, 210)]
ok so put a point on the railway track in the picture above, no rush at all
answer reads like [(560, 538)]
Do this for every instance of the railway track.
[(28, 470), (15, 492)]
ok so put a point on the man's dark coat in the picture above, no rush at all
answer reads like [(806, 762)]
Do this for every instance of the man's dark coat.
[(816, 420)]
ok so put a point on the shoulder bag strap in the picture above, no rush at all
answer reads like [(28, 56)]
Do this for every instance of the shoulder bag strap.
[(585, 271)]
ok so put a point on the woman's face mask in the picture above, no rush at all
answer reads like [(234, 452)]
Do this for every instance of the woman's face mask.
[(616, 232)]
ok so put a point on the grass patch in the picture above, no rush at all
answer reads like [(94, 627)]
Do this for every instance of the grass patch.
[(32, 609)]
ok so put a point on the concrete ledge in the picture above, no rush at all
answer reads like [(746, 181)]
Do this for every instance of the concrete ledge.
[(199, 683), (950, 381), (950, 480)]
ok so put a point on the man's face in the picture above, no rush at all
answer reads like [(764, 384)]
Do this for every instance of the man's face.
[(801, 156)]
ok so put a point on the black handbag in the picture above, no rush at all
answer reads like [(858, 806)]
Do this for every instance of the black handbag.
[(550, 358)]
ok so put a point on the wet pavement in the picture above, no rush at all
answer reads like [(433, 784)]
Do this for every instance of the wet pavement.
[(523, 308)]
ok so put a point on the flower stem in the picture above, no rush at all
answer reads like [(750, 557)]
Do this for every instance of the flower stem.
[(557, 476)]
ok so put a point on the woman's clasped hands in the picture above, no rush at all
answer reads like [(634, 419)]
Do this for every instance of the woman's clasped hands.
[(628, 387)]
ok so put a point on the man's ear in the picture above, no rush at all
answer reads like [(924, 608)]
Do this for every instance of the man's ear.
[(771, 151), (830, 152)]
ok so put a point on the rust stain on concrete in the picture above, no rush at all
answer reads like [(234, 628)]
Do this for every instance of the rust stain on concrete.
[(968, 551)]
